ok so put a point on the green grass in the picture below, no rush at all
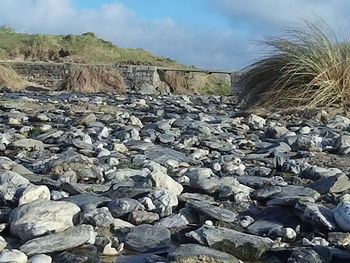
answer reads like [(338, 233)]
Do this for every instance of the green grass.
[(308, 68), (85, 48)]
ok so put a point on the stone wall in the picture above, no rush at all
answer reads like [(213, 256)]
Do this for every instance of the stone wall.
[(53, 75)]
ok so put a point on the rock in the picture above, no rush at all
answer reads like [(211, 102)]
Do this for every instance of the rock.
[(100, 217), (13, 256), (146, 238), (161, 180), (161, 155), (91, 200), (87, 119), (214, 212), (33, 192), (317, 215), (240, 245), (118, 224), (256, 122), (148, 89), (343, 144), (305, 255), (342, 215), (40, 258), (176, 221), (11, 184), (203, 179), (334, 184), (164, 201), (266, 192), (70, 238), (338, 122), (108, 250), (41, 217), (196, 253), (276, 132), (123, 206), (143, 217), (316, 173), (339, 239), (287, 234), (3, 243), (28, 144)]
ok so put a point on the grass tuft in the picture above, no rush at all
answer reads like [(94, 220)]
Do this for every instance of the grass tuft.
[(308, 68)]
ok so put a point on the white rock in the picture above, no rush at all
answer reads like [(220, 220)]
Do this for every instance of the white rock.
[(120, 147), (163, 181), (40, 217), (118, 224), (10, 184), (148, 204), (3, 243), (13, 256), (108, 250), (40, 258), (34, 192), (256, 122), (342, 215)]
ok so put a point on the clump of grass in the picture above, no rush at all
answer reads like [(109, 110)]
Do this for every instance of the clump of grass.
[(308, 68), (94, 79), (9, 77)]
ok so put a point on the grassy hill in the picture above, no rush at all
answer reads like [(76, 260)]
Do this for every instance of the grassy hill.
[(85, 48)]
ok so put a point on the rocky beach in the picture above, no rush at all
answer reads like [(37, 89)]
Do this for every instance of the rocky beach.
[(165, 179)]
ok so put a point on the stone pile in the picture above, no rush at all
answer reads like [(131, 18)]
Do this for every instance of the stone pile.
[(97, 178)]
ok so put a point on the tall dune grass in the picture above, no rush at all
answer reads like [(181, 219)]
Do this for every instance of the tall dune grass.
[(309, 68)]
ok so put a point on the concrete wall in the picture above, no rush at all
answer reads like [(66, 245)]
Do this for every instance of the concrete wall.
[(52, 75)]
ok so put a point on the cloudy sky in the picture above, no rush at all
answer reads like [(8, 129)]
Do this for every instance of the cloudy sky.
[(219, 34)]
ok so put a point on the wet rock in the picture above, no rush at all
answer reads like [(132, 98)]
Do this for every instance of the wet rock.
[(243, 246), (70, 238), (41, 217), (145, 238), (197, 253)]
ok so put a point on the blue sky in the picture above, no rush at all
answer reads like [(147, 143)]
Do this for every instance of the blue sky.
[(219, 34)]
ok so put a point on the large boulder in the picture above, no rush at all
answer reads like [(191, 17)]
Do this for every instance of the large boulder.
[(70, 238), (242, 246), (41, 217)]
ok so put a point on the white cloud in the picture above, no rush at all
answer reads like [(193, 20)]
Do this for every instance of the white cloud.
[(227, 48)]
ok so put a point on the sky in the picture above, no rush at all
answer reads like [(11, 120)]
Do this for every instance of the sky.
[(212, 34)]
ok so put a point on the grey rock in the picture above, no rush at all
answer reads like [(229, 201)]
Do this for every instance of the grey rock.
[(334, 184), (41, 217), (214, 212), (70, 238), (338, 122), (123, 206), (100, 217), (243, 246), (197, 253), (305, 255), (164, 201), (316, 173), (13, 256), (266, 192), (145, 238), (203, 179), (162, 155), (316, 215), (83, 200), (40, 258), (143, 217), (342, 215), (174, 221)]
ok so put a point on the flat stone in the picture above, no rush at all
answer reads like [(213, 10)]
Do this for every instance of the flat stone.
[(70, 238), (334, 184), (41, 217), (317, 215), (82, 200), (214, 212), (243, 246), (146, 238), (162, 155), (143, 217), (191, 253)]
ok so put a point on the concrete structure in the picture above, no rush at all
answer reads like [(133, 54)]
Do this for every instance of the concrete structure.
[(52, 75)]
